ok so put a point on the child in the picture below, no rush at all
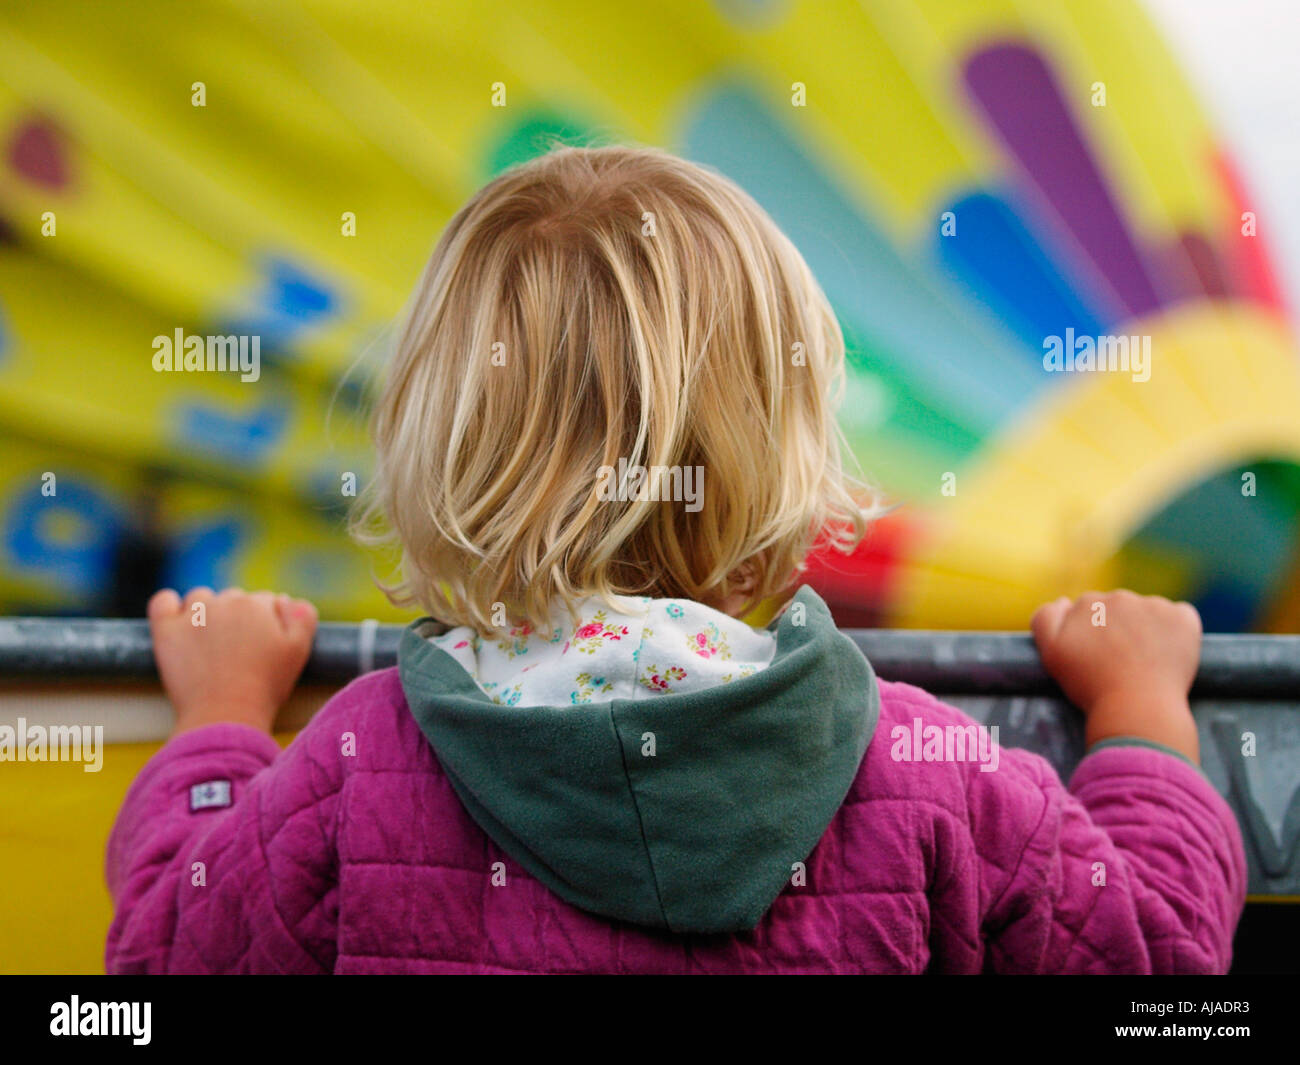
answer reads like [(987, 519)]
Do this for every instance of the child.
[(584, 762)]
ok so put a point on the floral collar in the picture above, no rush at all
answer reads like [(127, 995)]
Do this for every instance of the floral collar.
[(645, 647)]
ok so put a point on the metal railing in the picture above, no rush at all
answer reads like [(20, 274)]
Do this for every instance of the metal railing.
[(1246, 701), (970, 663)]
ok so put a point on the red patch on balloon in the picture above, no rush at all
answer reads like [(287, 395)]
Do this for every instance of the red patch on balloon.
[(38, 153)]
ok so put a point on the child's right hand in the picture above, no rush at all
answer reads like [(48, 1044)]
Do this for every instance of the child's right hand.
[(1127, 661)]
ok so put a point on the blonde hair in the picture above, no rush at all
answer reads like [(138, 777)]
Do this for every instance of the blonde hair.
[(591, 306)]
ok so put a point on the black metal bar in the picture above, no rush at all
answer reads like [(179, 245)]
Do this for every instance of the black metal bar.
[(1007, 663), (951, 663)]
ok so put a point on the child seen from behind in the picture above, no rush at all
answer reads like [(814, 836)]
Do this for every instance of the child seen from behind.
[(606, 435)]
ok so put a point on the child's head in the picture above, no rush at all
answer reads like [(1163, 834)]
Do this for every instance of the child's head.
[(591, 307)]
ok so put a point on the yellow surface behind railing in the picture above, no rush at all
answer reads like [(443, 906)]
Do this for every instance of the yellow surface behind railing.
[(54, 904)]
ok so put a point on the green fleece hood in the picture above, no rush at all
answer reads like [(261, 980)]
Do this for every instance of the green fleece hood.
[(685, 812)]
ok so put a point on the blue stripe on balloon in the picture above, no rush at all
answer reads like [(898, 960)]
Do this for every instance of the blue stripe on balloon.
[(997, 258)]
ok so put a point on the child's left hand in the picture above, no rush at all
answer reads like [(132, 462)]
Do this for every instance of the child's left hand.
[(240, 664)]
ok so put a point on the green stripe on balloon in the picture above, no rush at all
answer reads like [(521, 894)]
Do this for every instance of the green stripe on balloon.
[(535, 134)]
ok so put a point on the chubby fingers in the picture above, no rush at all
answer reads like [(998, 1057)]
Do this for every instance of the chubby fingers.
[(1190, 612), (301, 616), (297, 616), (164, 603), (1048, 618), (201, 594)]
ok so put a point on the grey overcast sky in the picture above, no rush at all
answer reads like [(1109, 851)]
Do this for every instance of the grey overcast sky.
[(1243, 59)]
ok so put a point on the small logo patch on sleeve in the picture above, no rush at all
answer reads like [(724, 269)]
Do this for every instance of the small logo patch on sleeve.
[(210, 794)]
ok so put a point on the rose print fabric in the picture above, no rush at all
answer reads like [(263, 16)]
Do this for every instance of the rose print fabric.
[(645, 647)]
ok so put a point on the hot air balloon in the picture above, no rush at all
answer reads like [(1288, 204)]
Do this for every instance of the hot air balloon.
[(967, 181)]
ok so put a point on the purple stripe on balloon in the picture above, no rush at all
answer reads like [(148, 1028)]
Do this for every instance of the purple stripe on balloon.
[(1021, 99)]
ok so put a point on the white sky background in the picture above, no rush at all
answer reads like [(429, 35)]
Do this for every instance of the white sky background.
[(1242, 58)]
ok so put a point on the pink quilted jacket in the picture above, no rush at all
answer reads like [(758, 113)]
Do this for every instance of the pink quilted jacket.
[(315, 860)]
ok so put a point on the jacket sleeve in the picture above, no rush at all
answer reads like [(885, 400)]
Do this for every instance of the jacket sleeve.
[(1137, 868), (222, 858)]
